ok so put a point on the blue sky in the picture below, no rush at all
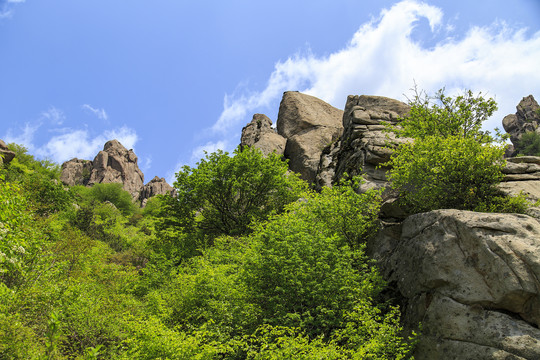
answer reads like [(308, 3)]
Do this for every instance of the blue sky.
[(170, 78)]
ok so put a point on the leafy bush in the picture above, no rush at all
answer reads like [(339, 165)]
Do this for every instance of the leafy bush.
[(223, 195), (452, 163), (529, 144), (111, 192)]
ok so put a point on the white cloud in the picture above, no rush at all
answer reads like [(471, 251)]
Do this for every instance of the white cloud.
[(79, 143), (383, 58), (54, 116), (26, 137), (100, 113)]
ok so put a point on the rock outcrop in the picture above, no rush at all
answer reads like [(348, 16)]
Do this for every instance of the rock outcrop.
[(470, 278), (309, 125), (260, 134), (76, 172), (522, 174), (364, 145), (114, 164), (526, 119), (6, 155), (156, 186)]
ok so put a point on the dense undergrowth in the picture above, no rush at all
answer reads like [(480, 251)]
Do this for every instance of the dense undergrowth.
[(233, 268)]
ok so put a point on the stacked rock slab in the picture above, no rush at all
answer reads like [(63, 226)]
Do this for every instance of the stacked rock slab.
[(309, 125), (526, 119), (365, 144), (260, 134), (6, 155), (156, 186), (470, 278)]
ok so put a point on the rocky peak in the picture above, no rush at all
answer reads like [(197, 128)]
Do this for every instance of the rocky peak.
[(526, 119), (260, 134)]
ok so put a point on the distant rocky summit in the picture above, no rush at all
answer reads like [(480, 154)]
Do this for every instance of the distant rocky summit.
[(114, 164), (156, 186)]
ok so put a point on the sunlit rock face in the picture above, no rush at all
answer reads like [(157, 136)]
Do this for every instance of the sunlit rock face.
[(470, 278), (309, 125), (365, 144), (114, 164), (260, 134)]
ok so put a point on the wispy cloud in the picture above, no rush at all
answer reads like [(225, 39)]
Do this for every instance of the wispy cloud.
[(383, 58), (6, 7), (54, 116), (24, 137), (100, 113)]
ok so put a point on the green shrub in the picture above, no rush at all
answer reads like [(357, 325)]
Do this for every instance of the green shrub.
[(529, 144)]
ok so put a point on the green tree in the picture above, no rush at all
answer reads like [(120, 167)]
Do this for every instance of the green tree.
[(451, 162), (224, 194)]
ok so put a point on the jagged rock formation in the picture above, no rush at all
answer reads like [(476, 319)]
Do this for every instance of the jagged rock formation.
[(526, 119), (156, 186), (309, 125), (365, 143), (116, 164), (6, 155), (260, 134), (470, 278)]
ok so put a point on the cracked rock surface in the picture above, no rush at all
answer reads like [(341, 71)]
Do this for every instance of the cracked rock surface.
[(472, 279)]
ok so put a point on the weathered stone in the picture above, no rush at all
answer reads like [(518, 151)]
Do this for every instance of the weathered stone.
[(116, 164), (260, 134), (76, 172), (299, 112), (309, 125), (526, 119), (365, 143), (156, 186), (6, 155), (470, 278)]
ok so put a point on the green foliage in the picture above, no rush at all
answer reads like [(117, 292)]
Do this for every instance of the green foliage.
[(529, 144), (440, 173), (444, 116), (24, 164), (111, 192), (224, 194), (452, 163), (304, 273)]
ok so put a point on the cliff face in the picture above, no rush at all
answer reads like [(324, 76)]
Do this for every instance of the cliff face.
[(471, 279)]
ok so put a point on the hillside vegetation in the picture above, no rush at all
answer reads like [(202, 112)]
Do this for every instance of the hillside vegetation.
[(246, 262)]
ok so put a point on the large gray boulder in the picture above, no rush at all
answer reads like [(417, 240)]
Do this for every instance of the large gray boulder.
[(526, 119), (6, 155), (76, 172), (260, 134), (116, 164), (470, 278), (365, 144), (309, 125)]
